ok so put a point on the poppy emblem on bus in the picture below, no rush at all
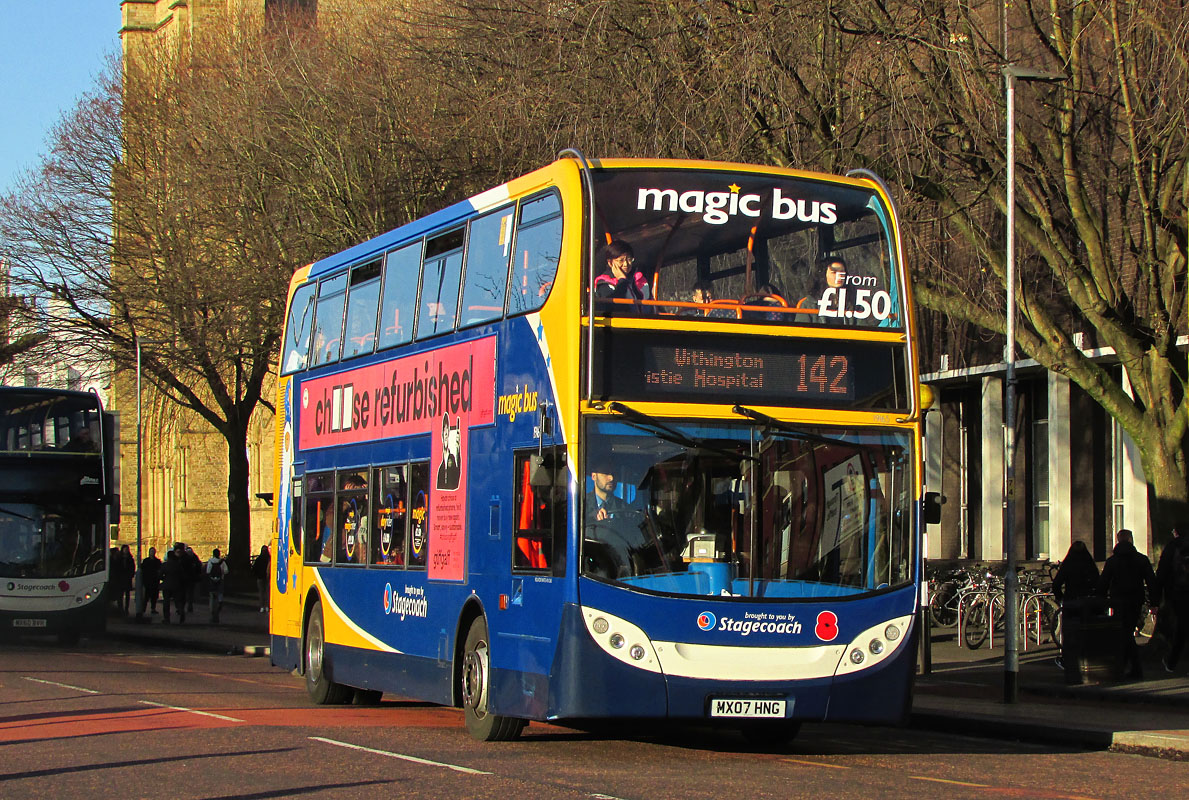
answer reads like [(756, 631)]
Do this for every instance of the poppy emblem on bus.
[(706, 621), (827, 626)]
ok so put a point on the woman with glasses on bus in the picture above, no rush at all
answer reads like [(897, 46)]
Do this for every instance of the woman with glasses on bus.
[(621, 279)]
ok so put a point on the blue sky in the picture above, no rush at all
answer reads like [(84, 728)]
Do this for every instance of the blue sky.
[(50, 54)]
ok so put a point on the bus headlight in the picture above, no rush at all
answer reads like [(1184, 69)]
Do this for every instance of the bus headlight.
[(891, 633), (856, 656), (600, 625), (616, 641), (637, 652), (876, 646)]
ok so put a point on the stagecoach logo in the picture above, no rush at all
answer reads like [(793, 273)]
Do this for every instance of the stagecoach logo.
[(706, 621), (18, 586), (752, 622), (409, 603)]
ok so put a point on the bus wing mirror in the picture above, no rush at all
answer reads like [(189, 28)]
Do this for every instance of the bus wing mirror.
[(933, 504), (539, 473)]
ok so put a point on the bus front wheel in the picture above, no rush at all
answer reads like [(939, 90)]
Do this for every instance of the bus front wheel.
[(476, 690), (322, 690)]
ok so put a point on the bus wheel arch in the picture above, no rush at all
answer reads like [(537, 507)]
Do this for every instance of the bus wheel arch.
[(316, 661), (473, 685)]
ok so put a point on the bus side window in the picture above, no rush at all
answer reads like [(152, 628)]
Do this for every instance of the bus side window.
[(297, 328), (295, 536), (390, 515), (353, 517), (399, 302), (319, 519), (328, 320), (441, 273), (417, 549), (362, 302), (536, 254), (488, 245), (540, 511)]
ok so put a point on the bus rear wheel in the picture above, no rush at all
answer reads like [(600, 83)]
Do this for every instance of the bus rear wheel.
[(322, 690), (476, 690)]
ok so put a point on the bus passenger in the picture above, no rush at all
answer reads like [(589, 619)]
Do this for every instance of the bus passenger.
[(621, 280)]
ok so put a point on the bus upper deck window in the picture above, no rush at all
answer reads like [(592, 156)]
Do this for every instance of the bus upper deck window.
[(297, 328), (398, 306), (440, 276), (489, 243), (328, 320), (536, 254), (362, 303)]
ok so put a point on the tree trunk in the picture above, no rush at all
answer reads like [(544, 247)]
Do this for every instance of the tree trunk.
[(239, 519)]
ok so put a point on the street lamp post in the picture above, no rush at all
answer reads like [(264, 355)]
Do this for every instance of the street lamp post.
[(1011, 658), (139, 504)]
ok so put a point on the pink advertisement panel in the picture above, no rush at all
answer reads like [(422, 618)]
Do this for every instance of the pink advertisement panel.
[(444, 392)]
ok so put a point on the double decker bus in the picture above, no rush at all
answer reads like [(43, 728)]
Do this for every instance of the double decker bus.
[(693, 495), (56, 491)]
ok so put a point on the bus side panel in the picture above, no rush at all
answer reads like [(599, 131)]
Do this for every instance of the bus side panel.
[(588, 683), (426, 679)]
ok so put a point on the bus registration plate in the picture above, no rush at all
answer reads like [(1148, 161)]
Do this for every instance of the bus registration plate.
[(750, 707), (27, 622)]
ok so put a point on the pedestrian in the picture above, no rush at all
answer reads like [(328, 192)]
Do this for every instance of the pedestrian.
[(1172, 590), (216, 572), (193, 565), (150, 575), (116, 578), (128, 574), (1127, 582), (173, 584), (260, 570), (1073, 587)]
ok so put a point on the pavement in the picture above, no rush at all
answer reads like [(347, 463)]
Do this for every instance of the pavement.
[(962, 692)]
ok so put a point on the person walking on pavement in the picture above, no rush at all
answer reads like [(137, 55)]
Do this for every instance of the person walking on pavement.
[(260, 571), (150, 573), (173, 584), (116, 578), (1073, 587), (193, 566), (128, 574), (1172, 592), (1127, 582), (216, 573)]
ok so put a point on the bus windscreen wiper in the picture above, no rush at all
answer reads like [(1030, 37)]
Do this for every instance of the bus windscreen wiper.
[(789, 430), (655, 426)]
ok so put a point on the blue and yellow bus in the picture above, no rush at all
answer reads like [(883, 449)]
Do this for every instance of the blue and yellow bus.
[(693, 493)]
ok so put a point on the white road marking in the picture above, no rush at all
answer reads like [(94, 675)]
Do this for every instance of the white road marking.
[(414, 759), (63, 685), (189, 710)]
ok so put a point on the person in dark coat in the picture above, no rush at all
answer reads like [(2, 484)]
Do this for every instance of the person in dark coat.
[(194, 571), (1127, 582), (129, 572), (1074, 586), (117, 576), (150, 575), (173, 584), (260, 571), (1172, 589)]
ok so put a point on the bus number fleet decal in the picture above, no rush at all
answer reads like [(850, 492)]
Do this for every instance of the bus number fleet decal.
[(443, 392)]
